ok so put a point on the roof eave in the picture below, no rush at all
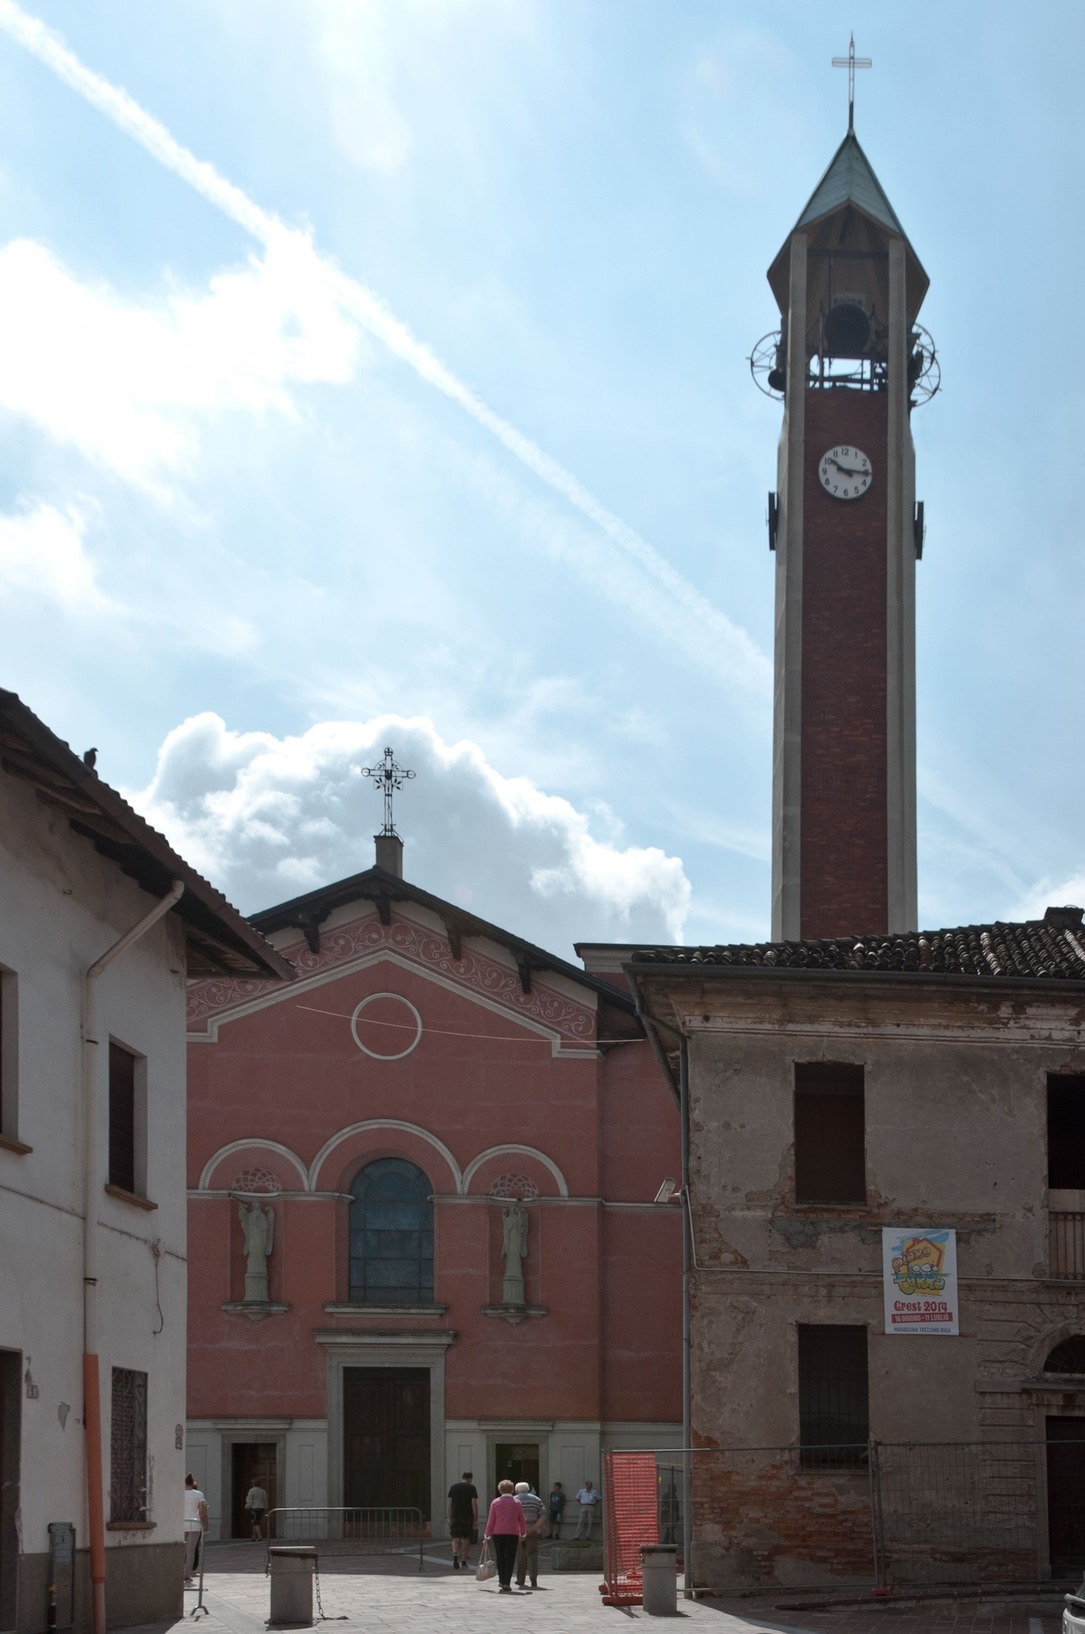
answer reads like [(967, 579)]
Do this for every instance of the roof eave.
[(219, 940)]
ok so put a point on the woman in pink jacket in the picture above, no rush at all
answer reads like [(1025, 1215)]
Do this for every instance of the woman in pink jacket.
[(505, 1525)]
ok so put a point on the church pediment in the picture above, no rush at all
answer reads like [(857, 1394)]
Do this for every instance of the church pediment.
[(487, 974)]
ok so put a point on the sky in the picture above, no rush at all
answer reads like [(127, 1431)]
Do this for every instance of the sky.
[(375, 372)]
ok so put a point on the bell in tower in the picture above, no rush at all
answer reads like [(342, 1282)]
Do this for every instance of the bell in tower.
[(849, 363)]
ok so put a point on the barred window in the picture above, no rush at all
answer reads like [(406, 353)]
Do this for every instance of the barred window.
[(391, 1234), (128, 1446), (830, 1157), (1069, 1357), (834, 1412)]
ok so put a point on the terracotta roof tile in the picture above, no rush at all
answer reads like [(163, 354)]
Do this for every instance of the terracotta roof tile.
[(1052, 948)]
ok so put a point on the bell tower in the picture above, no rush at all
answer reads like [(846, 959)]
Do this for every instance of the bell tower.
[(849, 363)]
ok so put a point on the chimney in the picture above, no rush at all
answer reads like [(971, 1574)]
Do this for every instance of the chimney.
[(389, 853), (1063, 918)]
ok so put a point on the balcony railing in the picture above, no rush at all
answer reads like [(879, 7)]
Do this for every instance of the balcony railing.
[(1066, 1252)]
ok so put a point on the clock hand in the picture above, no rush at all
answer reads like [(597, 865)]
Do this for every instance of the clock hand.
[(849, 470)]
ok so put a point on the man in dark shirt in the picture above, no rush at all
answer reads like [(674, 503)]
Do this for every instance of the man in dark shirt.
[(462, 1519)]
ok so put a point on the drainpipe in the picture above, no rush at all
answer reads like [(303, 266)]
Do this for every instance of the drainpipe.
[(92, 1398)]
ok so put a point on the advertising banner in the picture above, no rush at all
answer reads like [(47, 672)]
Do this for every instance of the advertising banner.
[(919, 1271)]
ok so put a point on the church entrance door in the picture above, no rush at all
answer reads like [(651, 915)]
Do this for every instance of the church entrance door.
[(1066, 1495), (386, 1445), (254, 1463)]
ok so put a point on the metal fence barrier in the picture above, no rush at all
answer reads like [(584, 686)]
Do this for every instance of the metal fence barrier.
[(350, 1533), (877, 1516)]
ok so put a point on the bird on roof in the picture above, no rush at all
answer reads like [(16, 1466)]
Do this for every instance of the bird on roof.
[(89, 757)]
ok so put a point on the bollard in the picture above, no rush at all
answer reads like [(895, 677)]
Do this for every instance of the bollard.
[(291, 1572), (659, 1577)]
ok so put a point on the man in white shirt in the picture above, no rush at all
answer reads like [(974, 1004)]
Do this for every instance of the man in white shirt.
[(587, 1498), (195, 1524), (256, 1504)]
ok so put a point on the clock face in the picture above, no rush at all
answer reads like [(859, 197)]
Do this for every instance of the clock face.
[(845, 472)]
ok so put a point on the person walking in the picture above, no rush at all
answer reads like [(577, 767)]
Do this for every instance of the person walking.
[(505, 1526), (527, 1550), (557, 1504), (462, 1519), (587, 1498), (256, 1502), (195, 1524)]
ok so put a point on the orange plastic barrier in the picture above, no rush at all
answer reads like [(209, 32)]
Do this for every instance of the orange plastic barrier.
[(631, 1518)]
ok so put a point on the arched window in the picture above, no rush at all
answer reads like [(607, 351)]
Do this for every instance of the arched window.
[(1069, 1357), (391, 1234)]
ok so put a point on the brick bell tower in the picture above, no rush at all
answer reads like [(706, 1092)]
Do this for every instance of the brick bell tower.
[(849, 363)]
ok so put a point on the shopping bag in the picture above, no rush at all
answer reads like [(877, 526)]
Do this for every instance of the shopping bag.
[(487, 1565)]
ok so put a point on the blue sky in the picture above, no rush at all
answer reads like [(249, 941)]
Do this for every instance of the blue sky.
[(422, 415)]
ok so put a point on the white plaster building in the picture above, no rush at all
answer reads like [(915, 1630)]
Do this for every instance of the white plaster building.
[(92, 1208)]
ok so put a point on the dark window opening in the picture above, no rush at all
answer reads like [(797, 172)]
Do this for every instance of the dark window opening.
[(122, 1118), (834, 1412), (1066, 1131), (1069, 1357), (391, 1234), (8, 1085), (128, 1446), (830, 1133)]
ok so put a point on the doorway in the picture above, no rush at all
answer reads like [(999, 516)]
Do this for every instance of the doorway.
[(386, 1441), (1066, 1495), (517, 1461), (11, 1392), (253, 1463)]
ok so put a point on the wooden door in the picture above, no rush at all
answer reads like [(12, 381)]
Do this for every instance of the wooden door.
[(517, 1461), (255, 1463), (386, 1462), (1066, 1496)]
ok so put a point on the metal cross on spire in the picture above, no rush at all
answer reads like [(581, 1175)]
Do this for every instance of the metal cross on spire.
[(389, 777), (851, 62)]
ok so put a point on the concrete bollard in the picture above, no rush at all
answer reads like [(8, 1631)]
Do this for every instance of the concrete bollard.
[(659, 1577), (291, 1573)]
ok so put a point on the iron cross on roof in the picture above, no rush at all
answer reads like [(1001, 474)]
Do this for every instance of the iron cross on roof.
[(851, 62), (389, 777)]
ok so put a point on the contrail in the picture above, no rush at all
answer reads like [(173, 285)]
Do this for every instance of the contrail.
[(729, 647)]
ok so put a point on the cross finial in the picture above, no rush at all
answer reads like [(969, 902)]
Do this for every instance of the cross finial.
[(389, 777), (851, 62)]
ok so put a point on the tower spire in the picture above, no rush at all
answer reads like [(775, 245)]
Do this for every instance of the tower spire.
[(851, 62)]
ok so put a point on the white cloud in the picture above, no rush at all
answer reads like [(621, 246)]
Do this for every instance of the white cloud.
[(42, 552), (269, 818), (127, 384)]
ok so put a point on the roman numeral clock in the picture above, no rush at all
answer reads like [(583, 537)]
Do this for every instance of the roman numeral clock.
[(849, 363)]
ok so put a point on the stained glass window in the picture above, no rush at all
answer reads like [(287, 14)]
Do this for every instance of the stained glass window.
[(391, 1234)]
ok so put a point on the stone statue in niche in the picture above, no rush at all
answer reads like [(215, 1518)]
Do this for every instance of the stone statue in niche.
[(513, 1251), (258, 1226)]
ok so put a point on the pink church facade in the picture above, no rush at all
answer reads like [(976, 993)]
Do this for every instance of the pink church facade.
[(427, 1080)]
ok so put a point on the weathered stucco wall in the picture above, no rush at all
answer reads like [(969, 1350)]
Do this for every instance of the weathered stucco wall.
[(955, 1077), (61, 906)]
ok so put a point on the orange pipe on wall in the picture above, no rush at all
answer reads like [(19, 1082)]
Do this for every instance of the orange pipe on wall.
[(92, 1429)]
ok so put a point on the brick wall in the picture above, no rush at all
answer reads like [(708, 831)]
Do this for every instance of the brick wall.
[(844, 816)]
